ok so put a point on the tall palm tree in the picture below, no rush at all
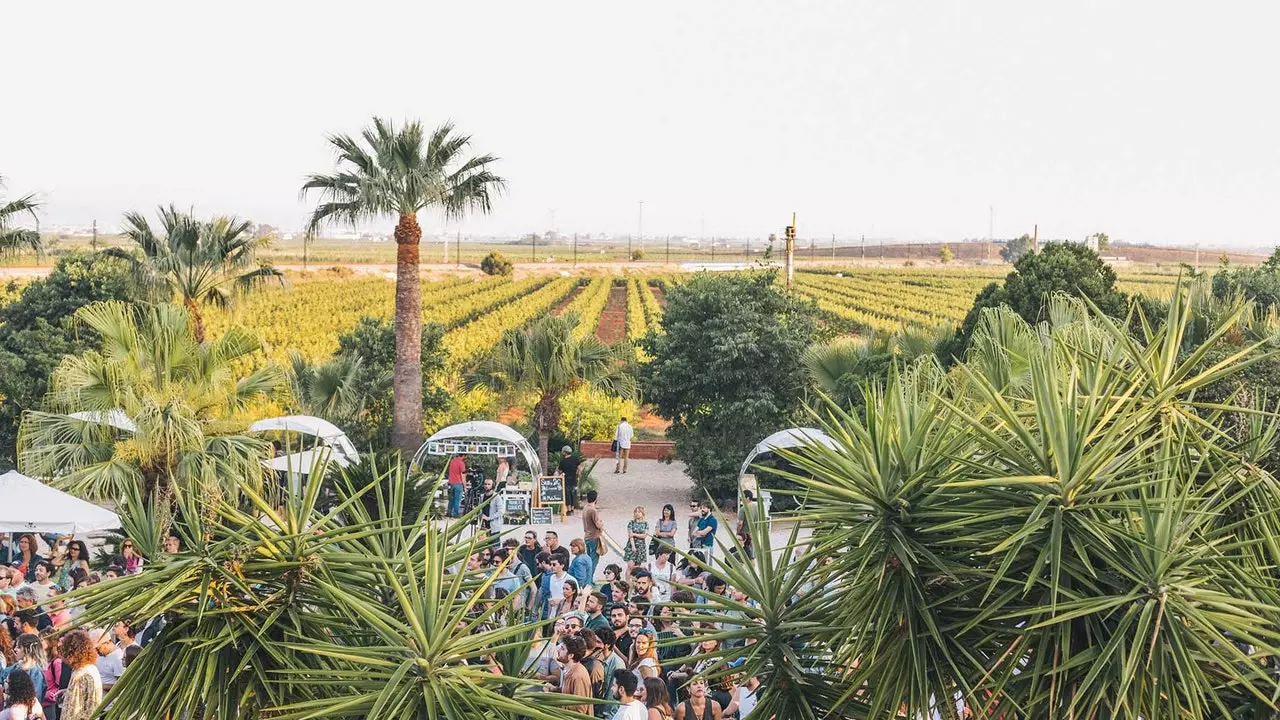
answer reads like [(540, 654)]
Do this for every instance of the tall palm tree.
[(544, 362), (151, 412), (201, 263), (399, 172), (14, 239)]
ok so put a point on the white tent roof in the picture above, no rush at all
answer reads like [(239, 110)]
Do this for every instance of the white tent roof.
[(302, 462), (786, 439), (491, 430), (115, 418), (308, 425), (31, 506)]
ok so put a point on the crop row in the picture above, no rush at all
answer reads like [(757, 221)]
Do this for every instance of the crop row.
[(468, 342), (589, 304), (901, 306)]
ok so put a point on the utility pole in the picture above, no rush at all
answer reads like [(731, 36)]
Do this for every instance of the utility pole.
[(1035, 238), (94, 241), (640, 226), (864, 246), (628, 248), (813, 249), (457, 248), (791, 249), (668, 262), (748, 253), (713, 249), (535, 247), (881, 250)]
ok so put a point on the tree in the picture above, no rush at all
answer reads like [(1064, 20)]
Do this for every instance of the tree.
[(1088, 543), (399, 173), (546, 361), (1069, 268), (152, 412), (285, 609), (198, 262), (1103, 240), (373, 342), (37, 330), (1014, 249), (945, 255), (727, 370), (495, 263), (14, 240)]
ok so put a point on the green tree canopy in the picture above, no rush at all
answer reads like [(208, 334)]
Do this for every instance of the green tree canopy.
[(727, 369), (1014, 249), (14, 239)]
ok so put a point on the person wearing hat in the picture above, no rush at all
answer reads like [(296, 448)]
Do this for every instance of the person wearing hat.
[(110, 658), (568, 467)]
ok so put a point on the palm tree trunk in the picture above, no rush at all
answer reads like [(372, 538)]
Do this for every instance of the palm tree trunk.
[(406, 423), (197, 322)]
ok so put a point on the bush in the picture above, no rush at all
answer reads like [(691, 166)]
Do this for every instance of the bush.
[(637, 255), (598, 412), (495, 263)]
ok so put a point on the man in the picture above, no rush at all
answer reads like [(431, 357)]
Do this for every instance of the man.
[(555, 549), (623, 436), (642, 586), (568, 467), (492, 520), (574, 622), (44, 580), (575, 679), (27, 622), (528, 554), (594, 663), (618, 623), (704, 534), (555, 587), (544, 584), (110, 658), (592, 530), (748, 516), (595, 605), (612, 660), (126, 634), (698, 704), (26, 600), (625, 683), (457, 478)]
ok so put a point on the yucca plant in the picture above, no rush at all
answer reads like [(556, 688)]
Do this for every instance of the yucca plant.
[(1059, 529), (290, 611)]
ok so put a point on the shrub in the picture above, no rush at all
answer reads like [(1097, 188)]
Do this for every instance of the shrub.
[(495, 263)]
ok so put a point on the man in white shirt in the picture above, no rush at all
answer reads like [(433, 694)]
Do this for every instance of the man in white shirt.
[(625, 683), (558, 576), (44, 580), (110, 658), (623, 436)]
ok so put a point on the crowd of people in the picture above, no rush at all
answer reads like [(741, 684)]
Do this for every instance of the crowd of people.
[(48, 671), (628, 635)]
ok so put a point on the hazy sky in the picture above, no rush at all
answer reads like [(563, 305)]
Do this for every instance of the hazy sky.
[(1153, 121)]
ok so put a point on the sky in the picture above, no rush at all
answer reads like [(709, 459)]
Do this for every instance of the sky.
[(917, 120)]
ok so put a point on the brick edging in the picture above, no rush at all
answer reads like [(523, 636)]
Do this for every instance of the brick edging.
[(640, 449)]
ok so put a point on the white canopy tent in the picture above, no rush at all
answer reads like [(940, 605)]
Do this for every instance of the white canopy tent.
[(483, 429), (31, 506), (330, 434), (115, 418), (781, 440)]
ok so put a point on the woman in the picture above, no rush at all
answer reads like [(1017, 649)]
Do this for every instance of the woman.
[(665, 534), (571, 599), (657, 700), (644, 656), (77, 556), (84, 690), (580, 566), (29, 651), (669, 630), (612, 576), (132, 561), (7, 654), (24, 703), (637, 533), (663, 572), (8, 582), (28, 558)]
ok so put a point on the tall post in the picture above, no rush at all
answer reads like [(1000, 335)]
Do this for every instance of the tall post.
[(864, 246), (457, 249), (575, 249), (713, 249), (1035, 238), (534, 257), (813, 249), (628, 248), (94, 242), (747, 254), (668, 262), (791, 250)]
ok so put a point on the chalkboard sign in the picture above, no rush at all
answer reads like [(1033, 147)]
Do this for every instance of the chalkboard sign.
[(540, 516), (515, 504), (550, 489)]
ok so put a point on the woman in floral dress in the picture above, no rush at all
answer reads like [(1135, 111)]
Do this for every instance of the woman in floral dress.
[(637, 552)]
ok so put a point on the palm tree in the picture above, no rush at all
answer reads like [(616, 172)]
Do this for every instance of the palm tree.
[(338, 390), (151, 412), (14, 239), (201, 263), (544, 362), (399, 173), (290, 610)]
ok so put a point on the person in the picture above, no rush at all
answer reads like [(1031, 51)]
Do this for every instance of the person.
[(126, 634), (76, 557), (663, 573), (133, 562), (571, 600), (594, 664), (44, 580), (746, 693), (26, 599), (699, 706), (57, 675), (580, 567), (568, 467), (612, 576), (595, 605), (642, 586), (554, 548), (618, 592), (457, 477), (84, 690), (593, 530), (110, 660), (29, 650), (623, 436), (555, 585), (618, 623), (610, 657), (491, 523), (668, 637), (58, 614), (575, 679), (636, 552), (27, 558), (665, 531), (643, 660), (629, 708), (504, 469), (528, 554), (748, 516), (24, 703), (704, 535), (172, 545), (544, 585), (657, 699)]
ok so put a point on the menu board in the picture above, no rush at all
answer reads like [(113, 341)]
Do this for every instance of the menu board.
[(550, 489), (540, 516)]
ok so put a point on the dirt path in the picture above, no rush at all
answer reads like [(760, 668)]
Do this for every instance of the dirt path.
[(564, 304), (613, 321), (658, 295)]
